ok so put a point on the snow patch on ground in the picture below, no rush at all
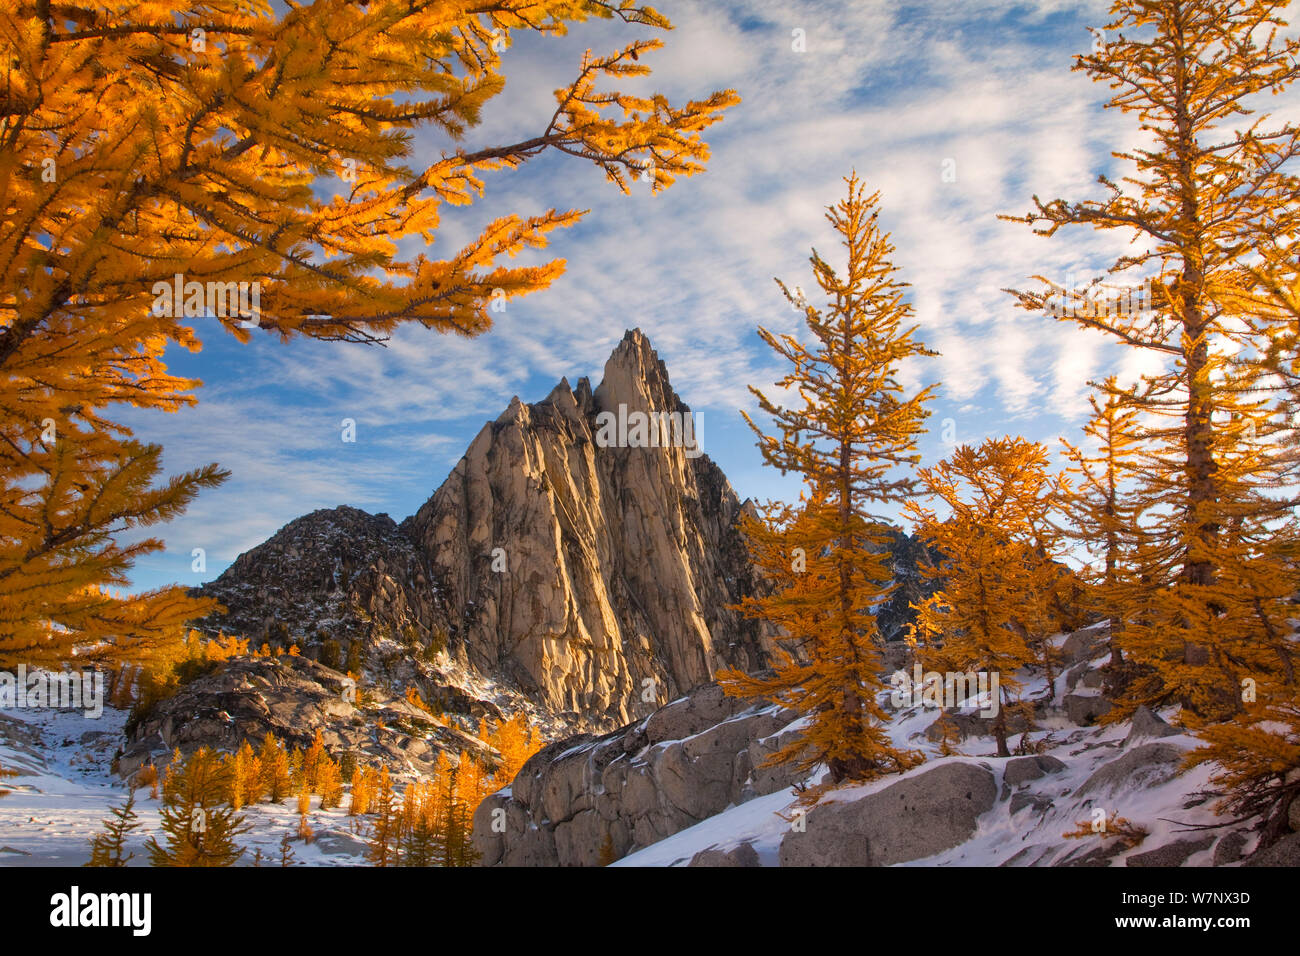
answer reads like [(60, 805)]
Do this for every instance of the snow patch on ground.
[(65, 785)]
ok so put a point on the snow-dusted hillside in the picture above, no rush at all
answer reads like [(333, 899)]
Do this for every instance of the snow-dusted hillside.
[(1024, 837), (968, 808), (65, 786), (686, 787)]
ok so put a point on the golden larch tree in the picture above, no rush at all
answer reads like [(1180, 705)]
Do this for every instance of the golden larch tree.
[(273, 761), (107, 847), (199, 827), (1208, 190), (993, 612), (245, 776), (851, 435), (1210, 202), (514, 740), (384, 847), (1103, 513), (359, 794), (329, 784)]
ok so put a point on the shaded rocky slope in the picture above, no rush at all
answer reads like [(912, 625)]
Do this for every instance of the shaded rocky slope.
[(293, 698), (909, 558), (337, 574)]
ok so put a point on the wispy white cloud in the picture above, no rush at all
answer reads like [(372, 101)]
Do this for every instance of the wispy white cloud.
[(891, 90)]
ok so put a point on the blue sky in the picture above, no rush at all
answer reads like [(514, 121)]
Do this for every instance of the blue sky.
[(892, 89)]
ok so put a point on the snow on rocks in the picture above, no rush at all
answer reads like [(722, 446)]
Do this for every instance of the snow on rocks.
[(636, 786), (925, 812)]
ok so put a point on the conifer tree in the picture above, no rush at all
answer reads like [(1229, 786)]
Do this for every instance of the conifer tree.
[(170, 774), (145, 138), (854, 429), (1257, 762), (147, 776), (121, 695), (454, 811), (476, 782), (287, 856), (312, 759), (200, 828), (296, 776), (359, 802), (1214, 207), (1104, 513), (991, 612), (106, 848), (247, 772), (329, 784), (305, 832), (276, 778), (372, 783), (460, 851), (235, 769), (1203, 205), (347, 764), (419, 826), (383, 847), (514, 740)]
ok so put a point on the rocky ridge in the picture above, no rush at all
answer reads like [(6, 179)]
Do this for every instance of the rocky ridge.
[(597, 578), (593, 579)]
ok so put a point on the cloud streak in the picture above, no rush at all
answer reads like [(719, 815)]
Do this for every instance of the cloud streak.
[(893, 90)]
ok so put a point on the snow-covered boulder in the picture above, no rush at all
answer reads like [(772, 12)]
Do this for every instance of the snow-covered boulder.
[(1171, 854), (922, 814), (1084, 706), (743, 855), (1023, 769), (1147, 723), (589, 798), (1285, 852), (1146, 766)]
